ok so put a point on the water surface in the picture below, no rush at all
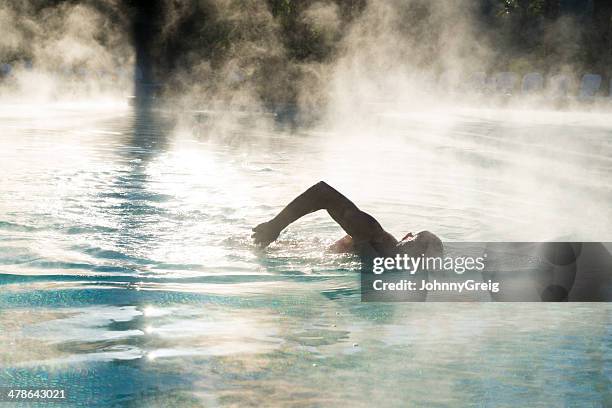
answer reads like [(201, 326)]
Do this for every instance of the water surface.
[(128, 277)]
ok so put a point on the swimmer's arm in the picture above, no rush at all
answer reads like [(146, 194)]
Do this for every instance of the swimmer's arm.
[(361, 226)]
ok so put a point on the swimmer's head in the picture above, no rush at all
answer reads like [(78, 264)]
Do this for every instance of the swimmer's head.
[(423, 243)]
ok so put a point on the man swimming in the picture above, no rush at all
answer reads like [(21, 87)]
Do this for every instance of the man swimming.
[(365, 236)]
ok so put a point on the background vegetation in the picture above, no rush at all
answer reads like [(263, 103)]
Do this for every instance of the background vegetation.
[(273, 46)]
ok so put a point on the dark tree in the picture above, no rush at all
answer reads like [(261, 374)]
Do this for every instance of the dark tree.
[(601, 36), (551, 9)]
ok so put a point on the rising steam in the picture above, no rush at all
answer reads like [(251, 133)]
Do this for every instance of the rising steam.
[(310, 58), (64, 51), (366, 73)]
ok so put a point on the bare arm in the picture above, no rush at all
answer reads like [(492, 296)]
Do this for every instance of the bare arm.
[(356, 223)]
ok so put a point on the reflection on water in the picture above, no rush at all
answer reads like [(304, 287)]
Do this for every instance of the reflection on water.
[(128, 276)]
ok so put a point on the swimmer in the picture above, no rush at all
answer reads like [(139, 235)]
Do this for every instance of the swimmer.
[(365, 236)]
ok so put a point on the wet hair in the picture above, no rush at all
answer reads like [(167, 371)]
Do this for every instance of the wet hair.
[(424, 243)]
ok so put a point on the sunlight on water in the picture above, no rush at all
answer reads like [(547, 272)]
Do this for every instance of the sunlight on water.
[(127, 269)]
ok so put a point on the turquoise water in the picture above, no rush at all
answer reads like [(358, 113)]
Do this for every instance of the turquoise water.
[(128, 277)]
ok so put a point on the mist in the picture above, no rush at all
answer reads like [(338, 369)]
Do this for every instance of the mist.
[(65, 51), (304, 60), (368, 76)]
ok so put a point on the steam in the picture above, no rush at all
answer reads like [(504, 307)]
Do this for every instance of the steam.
[(401, 80), (314, 59), (324, 19), (254, 69), (359, 71), (65, 51), (384, 55)]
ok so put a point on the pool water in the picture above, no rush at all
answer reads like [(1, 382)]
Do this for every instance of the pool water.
[(128, 276)]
